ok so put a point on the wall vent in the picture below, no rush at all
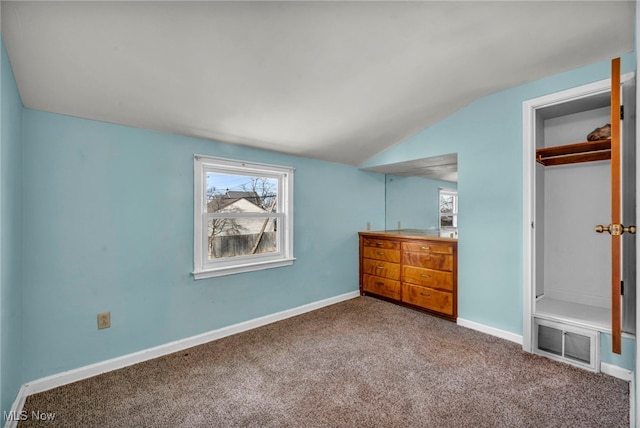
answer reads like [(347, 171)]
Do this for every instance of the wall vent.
[(567, 343)]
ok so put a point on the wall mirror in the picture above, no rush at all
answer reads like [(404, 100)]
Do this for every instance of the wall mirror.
[(413, 194)]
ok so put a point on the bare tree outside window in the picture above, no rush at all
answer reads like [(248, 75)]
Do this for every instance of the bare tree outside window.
[(231, 236), (448, 208)]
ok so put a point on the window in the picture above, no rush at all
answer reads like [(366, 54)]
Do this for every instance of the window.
[(243, 216), (448, 209)]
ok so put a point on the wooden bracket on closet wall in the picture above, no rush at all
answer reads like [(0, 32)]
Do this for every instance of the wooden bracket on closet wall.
[(588, 151)]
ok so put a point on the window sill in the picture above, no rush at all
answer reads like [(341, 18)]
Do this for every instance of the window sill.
[(249, 267)]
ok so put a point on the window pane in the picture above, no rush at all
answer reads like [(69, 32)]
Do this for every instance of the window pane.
[(446, 221), (232, 237), (446, 203), (241, 193)]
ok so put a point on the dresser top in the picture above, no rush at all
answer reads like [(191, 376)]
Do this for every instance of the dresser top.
[(409, 233)]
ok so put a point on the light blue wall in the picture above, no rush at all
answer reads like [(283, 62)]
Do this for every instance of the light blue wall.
[(627, 359), (413, 201), (110, 215), (487, 135), (10, 235)]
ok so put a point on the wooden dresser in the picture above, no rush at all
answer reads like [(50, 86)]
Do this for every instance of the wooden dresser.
[(416, 268)]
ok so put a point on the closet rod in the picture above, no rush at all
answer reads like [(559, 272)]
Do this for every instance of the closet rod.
[(588, 151)]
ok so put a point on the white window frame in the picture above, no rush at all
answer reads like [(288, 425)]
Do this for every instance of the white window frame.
[(204, 268)]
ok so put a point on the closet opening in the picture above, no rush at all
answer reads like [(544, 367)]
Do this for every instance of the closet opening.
[(567, 192), (573, 273)]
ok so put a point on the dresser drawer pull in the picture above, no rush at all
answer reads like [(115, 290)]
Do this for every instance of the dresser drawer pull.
[(380, 244), (379, 267), (424, 275), (380, 253), (424, 247), (379, 283), (425, 294)]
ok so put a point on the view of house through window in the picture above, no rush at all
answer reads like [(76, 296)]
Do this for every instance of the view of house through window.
[(245, 219), (243, 216)]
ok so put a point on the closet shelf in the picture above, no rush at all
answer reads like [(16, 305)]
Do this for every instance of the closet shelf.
[(588, 151)]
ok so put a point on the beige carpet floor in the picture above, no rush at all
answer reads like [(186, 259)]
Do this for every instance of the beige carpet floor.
[(359, 363)]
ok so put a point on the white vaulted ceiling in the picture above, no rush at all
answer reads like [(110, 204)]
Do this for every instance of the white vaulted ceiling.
[(339, 81)]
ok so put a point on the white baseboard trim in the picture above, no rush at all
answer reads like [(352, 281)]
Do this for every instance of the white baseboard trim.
[(54, 381), (626, 375), (16, 409), (503, 334), (616, 371)]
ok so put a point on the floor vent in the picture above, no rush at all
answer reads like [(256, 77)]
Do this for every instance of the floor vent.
[(563, 342)]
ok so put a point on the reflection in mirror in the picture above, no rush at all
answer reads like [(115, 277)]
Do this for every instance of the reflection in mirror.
[(448, 213), (412, 192), (413, 202)]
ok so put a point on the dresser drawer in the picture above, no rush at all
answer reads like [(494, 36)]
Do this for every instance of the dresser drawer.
[(411, 267), (381, 254), (428, 277), (381, 286), (381, 243), (427, 247), (429, 260), (379, 268), (428, 298)]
